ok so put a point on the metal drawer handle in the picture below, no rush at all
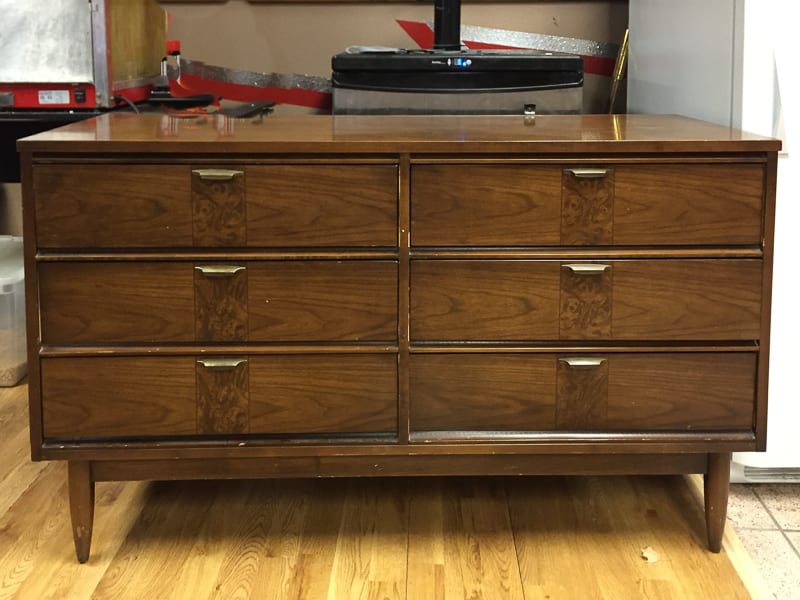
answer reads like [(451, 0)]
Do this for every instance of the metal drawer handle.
[(588, 173), (587, 268), (216, 174), (584, 362), (221, 363), (219, 270)]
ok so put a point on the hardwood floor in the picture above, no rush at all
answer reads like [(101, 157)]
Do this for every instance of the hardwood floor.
[(438, 538)]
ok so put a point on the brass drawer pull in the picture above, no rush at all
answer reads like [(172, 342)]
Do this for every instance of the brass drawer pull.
[(587, 268), (216, 174), (582, 362), (588, 173), (221, 363), (219, 270)]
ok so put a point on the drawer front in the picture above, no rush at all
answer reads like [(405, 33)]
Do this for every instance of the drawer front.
[(586, 392), (112, 206), (116, 302), (486, 300), (270, 301), (529, 205), (322, 394), (152, 206), (118, 397), (124, 397), (452, 204), (322, 205)]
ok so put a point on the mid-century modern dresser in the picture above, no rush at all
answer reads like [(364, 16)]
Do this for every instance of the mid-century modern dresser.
[(307, 296)]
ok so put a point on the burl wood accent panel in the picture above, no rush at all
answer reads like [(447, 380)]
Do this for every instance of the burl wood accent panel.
[(482, 392), (297, 301), (222, 399), (323, 394), (118, 396), (587, 209), (116, 302), (221, 306), (582, 395), (112, 206), (484, 300), (688, 204), (322, 205), (698, 391), (586, 301), (219, 211), (687, 299), (485, 205)]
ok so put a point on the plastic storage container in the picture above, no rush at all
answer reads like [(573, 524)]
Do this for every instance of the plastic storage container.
[(13, 365)]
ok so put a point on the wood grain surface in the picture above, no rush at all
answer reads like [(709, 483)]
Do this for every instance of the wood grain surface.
[(451, 205), (116, 302), (82, 206), (650, 391), (408, 538), (298, 301), (219, 210), (322, 205), (536, 300), (587, 210)]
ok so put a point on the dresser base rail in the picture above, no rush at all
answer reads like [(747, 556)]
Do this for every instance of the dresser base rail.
[(82, 475)]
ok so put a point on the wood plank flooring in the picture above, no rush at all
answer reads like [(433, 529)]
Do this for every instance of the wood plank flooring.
[(373, 539)]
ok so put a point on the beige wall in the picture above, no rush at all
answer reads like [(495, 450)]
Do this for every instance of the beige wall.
[(301, 38)]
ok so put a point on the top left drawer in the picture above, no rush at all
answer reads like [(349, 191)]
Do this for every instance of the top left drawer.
[(185, 206)]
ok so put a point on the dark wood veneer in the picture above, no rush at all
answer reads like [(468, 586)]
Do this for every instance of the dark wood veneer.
[(319, 296)]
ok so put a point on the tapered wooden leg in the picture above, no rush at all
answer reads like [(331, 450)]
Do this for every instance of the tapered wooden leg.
[(81, 506), (715, 486)]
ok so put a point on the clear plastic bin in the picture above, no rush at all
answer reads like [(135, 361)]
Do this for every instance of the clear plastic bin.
[(13, 365)]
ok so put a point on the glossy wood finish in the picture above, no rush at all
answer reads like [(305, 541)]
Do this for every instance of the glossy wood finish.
[(214, 395), (262, 301), (79, 206), (221, 303), (627, 135), (223, 396), (546, 300), (481, 392), (583, 391), (117, 302), (452, 204), (323, 300), (589, 204), (124, 397), (587, 207), (316, 296), (219, 208), (186, 205), (323, 394), (688, 204), (322, 205)]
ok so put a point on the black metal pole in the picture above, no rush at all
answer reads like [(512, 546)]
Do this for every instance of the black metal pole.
[(447, 24)]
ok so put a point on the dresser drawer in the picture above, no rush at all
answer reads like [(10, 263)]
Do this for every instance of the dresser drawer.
[(606, 204), (589, 392), (152, 206), (268, 301), (123, 397), (483, 300)]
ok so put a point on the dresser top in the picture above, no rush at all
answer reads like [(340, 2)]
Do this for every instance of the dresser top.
[(276, 133)]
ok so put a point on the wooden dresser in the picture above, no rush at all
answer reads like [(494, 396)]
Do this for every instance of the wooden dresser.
[(370, 296)]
